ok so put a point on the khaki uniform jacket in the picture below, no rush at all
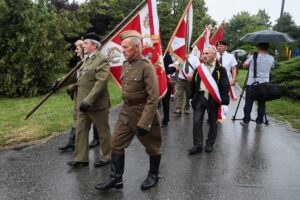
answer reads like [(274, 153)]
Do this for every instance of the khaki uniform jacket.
[(139, 81), (92, 82)]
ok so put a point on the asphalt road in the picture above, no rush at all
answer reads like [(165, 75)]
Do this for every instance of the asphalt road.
[(247, 163)]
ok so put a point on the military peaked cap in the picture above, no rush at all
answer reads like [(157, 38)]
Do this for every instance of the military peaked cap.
[(222, 42), (92, 36), (130, 33)]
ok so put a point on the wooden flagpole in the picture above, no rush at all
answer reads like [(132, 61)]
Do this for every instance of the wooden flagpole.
[(182, 17), (123, 22), (199, 37)]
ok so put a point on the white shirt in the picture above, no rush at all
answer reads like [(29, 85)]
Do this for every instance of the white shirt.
[(194, 61), (263, 66), (228, 62), (211, 68)]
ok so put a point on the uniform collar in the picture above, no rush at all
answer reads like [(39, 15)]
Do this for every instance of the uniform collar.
[(89, 56), (138, 57)]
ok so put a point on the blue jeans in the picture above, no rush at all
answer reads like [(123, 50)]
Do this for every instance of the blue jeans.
[(261, 108)]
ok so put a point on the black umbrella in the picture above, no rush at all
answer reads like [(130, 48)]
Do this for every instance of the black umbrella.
[(267, 36)]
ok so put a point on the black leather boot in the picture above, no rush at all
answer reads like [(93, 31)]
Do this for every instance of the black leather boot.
[(95, 142), (152, 178), (71, 142), (115, 179)]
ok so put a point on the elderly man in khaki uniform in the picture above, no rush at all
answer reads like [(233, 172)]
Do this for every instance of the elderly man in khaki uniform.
[(72, 90), (92, 101), (139, 114)]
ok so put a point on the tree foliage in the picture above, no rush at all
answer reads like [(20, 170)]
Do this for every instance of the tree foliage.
[(33, 46), (289, 26), (243, 23), (36, 36)]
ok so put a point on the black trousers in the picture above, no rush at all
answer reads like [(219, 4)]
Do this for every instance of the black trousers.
[(198, 115), (166, 104)]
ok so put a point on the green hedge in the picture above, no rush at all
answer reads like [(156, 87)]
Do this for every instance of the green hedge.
[(287, 74)]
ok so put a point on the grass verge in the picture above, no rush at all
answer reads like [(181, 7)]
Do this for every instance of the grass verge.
[(283, 109), (53, 117)]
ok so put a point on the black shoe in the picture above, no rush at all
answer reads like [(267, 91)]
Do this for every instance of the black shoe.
[(67, 147), (94, 143), (195, 150), (77, 164), (110, 183), (101, 163), (209, 147), (164, 124), (150, 182)]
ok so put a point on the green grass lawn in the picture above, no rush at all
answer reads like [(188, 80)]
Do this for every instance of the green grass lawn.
[(53, 117), (283, 109)]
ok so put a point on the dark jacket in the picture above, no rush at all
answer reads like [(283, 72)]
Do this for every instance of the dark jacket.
[(221, 78), (167, 61)]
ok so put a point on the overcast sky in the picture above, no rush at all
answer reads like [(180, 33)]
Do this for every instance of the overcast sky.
[(224, 9)]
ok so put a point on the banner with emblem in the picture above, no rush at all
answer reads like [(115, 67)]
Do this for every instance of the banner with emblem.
[(143, 19), (201, 42), (180, 41), (218, 35)]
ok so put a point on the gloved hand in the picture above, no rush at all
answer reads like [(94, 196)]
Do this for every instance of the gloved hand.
[(224, 110), (54, 85), (70, 93), (84, 106), (140, 131)]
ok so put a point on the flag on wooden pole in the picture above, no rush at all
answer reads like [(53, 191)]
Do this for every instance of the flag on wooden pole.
[(143, 19), (201, 42), (180, 41), (218, 35)]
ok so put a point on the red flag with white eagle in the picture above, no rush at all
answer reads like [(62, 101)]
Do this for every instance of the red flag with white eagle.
[(143, 19), (201, 42), (181, 39), (218, 35)]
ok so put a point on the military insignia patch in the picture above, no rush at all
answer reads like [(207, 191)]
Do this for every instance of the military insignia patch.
[(114, 55), (146, 22)]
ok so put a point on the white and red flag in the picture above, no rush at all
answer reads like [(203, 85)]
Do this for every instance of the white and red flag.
[(202, 41), (218, 35), (143, 19), (180, 41)]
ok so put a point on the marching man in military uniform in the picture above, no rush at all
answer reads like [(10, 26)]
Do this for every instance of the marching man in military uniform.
[(139, 114), (92, 101), (72, 90)]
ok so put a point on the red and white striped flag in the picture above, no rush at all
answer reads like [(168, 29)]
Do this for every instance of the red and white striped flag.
[(180, 41), (218, 35), (201, 42), (143, 19)]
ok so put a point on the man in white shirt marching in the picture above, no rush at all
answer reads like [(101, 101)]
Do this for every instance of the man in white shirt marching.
[(229, 62), (183, 83)]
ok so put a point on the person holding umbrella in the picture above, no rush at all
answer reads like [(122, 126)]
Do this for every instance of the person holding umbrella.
[(264, 63)]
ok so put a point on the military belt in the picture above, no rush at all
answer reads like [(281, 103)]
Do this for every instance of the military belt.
[(134, 102)]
